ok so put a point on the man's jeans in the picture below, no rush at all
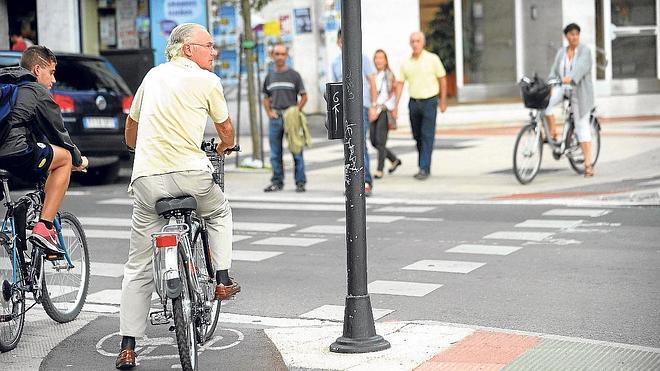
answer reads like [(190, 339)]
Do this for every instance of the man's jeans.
[(423, 113), (365, 121), (275, 136)]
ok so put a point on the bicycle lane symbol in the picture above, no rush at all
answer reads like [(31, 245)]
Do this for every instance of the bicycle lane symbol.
[(161, 348)]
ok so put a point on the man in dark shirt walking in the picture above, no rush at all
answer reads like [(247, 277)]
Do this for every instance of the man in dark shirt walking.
[(281, 89)]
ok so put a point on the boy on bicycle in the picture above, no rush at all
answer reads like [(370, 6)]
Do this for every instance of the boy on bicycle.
[(37, 145)]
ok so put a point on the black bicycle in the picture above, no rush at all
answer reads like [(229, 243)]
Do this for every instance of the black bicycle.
[(58, 283), (184, 275), (528, 150)]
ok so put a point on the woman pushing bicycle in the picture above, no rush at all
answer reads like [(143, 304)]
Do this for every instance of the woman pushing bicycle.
[(572, 66)]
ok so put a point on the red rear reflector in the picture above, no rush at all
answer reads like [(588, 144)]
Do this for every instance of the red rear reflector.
[(166, 240), (126, 102), (65, 102)]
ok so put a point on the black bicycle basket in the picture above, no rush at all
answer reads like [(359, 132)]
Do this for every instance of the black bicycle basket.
[(535, 93)]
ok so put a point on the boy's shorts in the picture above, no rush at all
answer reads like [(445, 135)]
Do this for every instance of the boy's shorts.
[(32, 165)]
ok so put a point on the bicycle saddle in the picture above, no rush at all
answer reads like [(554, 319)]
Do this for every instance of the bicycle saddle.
[(183, 203), (4, 174)]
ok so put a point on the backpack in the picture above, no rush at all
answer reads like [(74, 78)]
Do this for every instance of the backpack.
[(8, 93)]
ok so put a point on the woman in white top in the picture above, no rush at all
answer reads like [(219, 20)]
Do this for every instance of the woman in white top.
[(573, 66), (386, 88)]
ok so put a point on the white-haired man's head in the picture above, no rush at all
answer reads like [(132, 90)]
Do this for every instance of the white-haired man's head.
[(192, 41), (417, 42)]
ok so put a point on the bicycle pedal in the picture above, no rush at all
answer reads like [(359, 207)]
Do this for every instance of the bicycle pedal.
[(158, 318)]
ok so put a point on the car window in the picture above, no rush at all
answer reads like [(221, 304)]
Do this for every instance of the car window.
[(88, 74), (9, 61)]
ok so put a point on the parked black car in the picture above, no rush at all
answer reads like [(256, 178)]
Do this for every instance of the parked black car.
[(94, 101)]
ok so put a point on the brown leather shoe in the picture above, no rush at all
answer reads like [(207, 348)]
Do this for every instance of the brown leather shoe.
[(223, 292), (125, 359)]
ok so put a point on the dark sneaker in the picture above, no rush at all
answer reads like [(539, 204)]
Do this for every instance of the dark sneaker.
[(300, 187), (47, 240), (368, 189), (423, 174), (223, 292), (273, 188)]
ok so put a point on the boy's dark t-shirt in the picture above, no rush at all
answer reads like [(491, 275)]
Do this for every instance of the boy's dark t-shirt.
[(283, 88)]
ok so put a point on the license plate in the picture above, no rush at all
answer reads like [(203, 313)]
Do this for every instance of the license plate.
[(100, 123)]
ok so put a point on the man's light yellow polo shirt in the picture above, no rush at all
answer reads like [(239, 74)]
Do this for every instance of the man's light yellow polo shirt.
[(172, 106), (422, 75)]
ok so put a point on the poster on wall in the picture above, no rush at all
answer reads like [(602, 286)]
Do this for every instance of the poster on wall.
[(127, 13), (107, 31), (167, 14), (302, 20)]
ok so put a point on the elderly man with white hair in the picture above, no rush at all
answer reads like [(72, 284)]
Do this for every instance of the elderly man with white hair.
[(166, 127), (427, 86)]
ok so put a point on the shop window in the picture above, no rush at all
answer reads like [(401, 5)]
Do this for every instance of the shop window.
[(489, 49)]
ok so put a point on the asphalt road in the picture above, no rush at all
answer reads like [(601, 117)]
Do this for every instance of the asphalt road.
[(535, 268)]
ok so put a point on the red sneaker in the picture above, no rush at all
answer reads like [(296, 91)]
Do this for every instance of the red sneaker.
[(46, 239)]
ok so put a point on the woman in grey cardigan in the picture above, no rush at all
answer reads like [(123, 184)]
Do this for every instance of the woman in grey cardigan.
[(573, 66)]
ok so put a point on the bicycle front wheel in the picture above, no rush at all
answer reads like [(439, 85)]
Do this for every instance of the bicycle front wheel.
[(205, 276), (64, 285), (527, 154), (12, 300), (184, 322), (574, 153)]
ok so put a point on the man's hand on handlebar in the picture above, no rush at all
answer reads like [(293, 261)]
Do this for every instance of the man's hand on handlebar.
[(83, 165)]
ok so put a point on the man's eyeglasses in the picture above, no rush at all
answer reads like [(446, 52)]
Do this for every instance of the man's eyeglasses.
[(210, 47)]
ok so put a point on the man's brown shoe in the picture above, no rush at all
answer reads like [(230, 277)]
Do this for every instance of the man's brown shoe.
[(125, 359), (223, 292)]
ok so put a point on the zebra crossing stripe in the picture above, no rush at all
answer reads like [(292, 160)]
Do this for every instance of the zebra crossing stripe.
[(549, 223), (417, 289), (324, 229), (524, 236), (593, 213), (448, 266), (484, 249), (253, 256), (378, 218), (289, 241)]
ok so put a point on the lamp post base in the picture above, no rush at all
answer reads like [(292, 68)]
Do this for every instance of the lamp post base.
[(359, 330)]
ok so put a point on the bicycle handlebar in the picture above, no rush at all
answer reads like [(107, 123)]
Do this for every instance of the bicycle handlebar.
[(209, 146)]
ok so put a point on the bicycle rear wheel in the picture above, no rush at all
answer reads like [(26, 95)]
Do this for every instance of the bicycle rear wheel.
[(206, 278), (65, 287), (527, 154), (12, 301), (574, 152), (184, 322)]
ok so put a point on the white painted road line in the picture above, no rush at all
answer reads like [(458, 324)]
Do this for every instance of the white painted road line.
[(378, 218), (237, 238), (402, 288), (549, 223), (261, 227), (116, 201), (289, 241), (523, 236), (106, 269), (110, 296), (102, 233), (105, 222), (405, 209), (336, 313), (286, 206), (100, 308), (253, 256), (594, 213), (324, 229), (484, 249), (449, 266)]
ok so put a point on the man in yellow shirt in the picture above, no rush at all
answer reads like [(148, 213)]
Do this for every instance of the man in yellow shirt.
[(166, 127), (426, 81)]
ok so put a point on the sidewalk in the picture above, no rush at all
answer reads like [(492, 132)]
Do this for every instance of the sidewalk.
[(473, 163), (427, 345)]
